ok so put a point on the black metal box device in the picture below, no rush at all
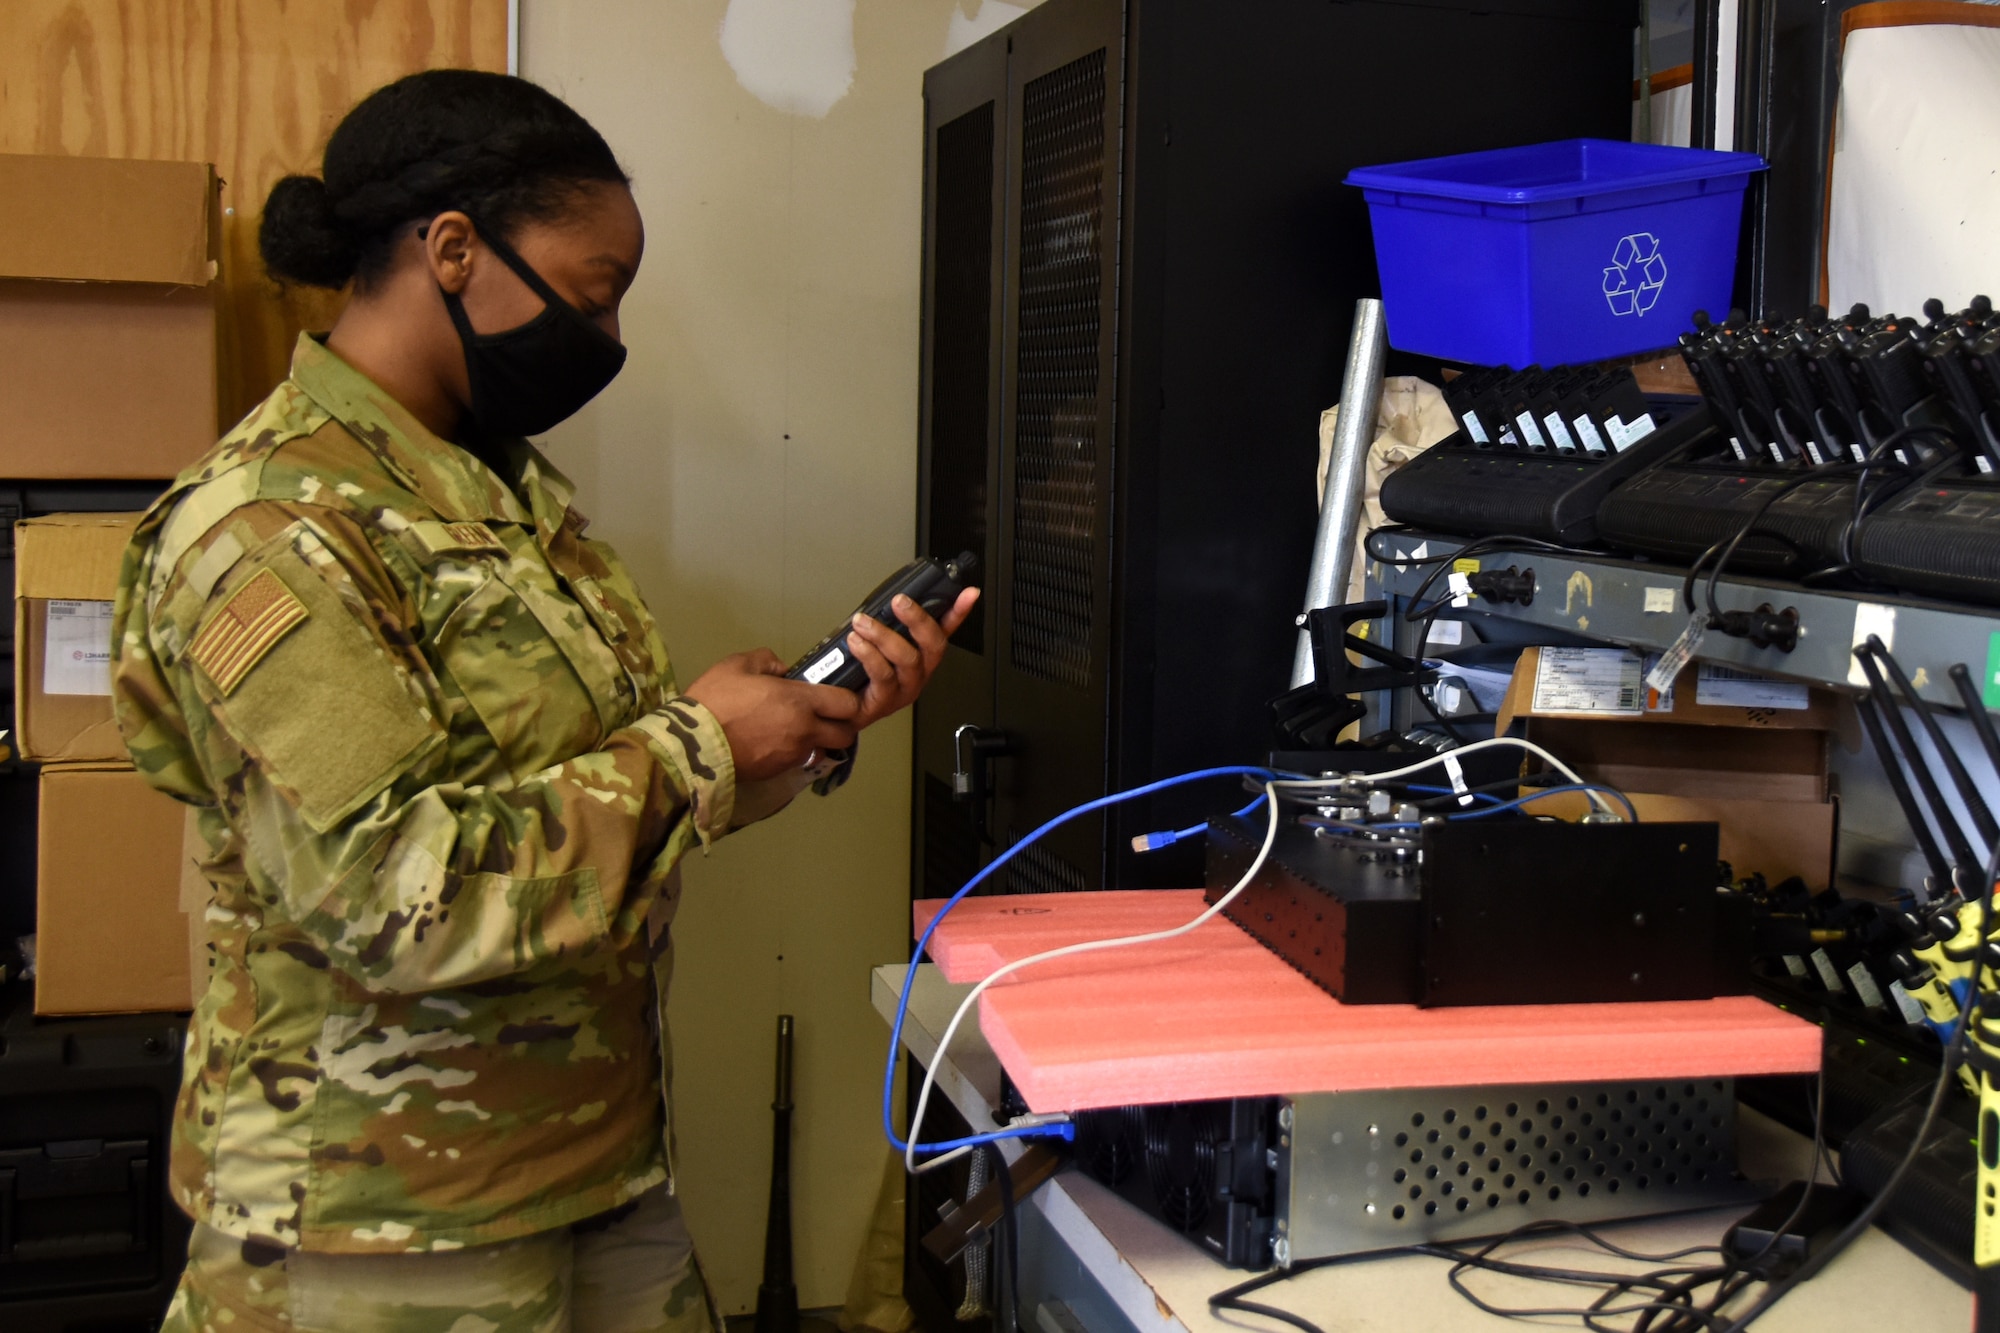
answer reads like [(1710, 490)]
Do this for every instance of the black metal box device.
[(89, 1239), (1486, 912)]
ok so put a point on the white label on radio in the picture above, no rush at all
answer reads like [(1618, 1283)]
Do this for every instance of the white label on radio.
[(1829, 975), (1530, 432), (1590, 680), (1913, 1013), (1593, 439), (1662, 601), (1474, 429), (1864, 986), (1559, 432), (76, 656), (826, 666)]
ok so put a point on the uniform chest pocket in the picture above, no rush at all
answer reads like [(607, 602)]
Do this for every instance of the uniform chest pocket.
[(543, 682)]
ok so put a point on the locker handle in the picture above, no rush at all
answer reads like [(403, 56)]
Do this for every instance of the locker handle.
[(973, 750)]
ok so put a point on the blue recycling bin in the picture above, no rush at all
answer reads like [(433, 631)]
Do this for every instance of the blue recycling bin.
[(1579, 250)]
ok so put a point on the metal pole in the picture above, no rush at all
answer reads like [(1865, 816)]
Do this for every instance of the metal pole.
[(1645, 128), (1340, 507)]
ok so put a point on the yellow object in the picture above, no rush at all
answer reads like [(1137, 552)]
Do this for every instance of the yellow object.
[(1950, 961)]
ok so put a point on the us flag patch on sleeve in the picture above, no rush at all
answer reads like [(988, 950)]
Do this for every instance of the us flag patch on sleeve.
[(248, 625)]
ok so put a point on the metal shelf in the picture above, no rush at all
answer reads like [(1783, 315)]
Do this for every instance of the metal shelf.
[(1607, 598)]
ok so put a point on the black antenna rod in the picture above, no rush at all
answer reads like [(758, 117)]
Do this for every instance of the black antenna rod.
[(1968, 790), (1950, 833), (777, 1296), (1975, 712), (1872, 724)]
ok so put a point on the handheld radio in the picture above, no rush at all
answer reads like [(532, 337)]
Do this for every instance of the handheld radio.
[(931, 583)]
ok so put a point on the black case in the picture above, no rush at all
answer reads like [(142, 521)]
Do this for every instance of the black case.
[(1200, 1167), (1487, 911), (89, 1239)]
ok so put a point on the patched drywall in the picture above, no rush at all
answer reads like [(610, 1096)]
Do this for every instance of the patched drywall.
[(792, 55), (974, 19)]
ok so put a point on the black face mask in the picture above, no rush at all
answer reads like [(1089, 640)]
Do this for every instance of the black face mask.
[(526, 379)]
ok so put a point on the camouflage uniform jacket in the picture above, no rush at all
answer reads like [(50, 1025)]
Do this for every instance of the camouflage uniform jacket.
[(442, 778)]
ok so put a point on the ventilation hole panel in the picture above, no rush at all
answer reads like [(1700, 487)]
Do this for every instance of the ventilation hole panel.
[(1060, 401)]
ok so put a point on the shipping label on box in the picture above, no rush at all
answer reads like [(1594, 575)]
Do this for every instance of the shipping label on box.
[(76, 654), (1719, 686), (65, 575), (1590, 680)]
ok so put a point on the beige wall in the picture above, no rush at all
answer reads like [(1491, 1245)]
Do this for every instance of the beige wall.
[(756, 464)]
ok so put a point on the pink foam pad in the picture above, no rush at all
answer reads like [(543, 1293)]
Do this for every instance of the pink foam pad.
[(1215, 1014)]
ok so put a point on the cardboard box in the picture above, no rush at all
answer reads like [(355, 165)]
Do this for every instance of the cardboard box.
[(1758, 772), (65, 575), (108, 316), (110, 933)]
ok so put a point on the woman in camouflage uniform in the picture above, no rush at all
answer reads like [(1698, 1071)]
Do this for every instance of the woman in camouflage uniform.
[(440, 768)]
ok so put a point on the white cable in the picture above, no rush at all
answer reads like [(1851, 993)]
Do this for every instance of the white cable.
[(1370, 779), (1087, 946)]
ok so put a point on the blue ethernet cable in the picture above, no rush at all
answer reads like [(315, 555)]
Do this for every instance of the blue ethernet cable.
[(1065, 1130), (1153, 842), (1520, 801)]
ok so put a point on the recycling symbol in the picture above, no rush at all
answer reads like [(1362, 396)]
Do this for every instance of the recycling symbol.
[(1637, 274)]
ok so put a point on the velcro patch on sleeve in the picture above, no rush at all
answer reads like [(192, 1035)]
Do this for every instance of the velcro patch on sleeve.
[(446, 538), (246, 627)]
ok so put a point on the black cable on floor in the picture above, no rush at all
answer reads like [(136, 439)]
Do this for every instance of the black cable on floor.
[(1006, 1250)]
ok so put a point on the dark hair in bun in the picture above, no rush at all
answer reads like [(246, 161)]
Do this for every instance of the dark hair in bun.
[(497, 147)]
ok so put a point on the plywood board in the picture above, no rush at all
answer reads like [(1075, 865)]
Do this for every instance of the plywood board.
[(253, 86)]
